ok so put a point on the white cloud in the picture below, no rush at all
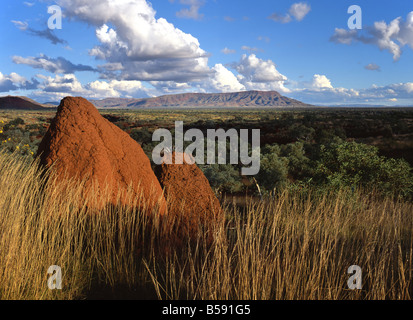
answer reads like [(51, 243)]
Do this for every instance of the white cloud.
[(147, 48), (14, 81), (299, 10), (224, 80), (169, 87), (320, 90), (408, 87), (321, 82), (391, 37), (58, 87), (258, 74), (6, 84), (67, 84), (116, 88)]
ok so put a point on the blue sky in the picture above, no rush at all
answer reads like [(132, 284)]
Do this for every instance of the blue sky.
[(139, 48)]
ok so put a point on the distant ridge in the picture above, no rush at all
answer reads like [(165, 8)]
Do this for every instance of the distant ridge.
[(233, 99), (20, 103)]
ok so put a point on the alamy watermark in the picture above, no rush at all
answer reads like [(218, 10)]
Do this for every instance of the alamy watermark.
[(355, 21), (216, 147), (355, 281), (55, 20), (55, 280)]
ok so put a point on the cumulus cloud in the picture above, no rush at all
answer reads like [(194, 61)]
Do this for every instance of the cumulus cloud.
[(169, 87), (60, 86), (220, 80), (257, 74), (321, 82), (116, 88), (58, 65), (14, 81), (391, 37), (320, 90), (297, 11), (398, 91), (223, 80), (6, 84), (131, 36), (65, 85)]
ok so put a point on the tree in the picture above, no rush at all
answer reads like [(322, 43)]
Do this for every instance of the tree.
[(274, 168), (356, 164), (223, 177)]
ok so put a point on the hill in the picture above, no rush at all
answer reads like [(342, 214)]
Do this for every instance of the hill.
[(20, 103), (233, 99)]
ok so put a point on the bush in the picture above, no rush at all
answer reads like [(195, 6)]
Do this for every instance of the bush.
[(223, 177), (351, 164), (299, 165), (274, 168)]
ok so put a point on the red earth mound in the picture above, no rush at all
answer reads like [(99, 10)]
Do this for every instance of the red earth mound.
[(81, 144), (191, 201)]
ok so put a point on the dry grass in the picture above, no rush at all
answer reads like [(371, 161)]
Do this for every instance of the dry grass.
[(290, 247)]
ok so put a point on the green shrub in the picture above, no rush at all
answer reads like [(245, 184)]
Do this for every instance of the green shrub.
[(223, 177), (273, 168), (351, 164)]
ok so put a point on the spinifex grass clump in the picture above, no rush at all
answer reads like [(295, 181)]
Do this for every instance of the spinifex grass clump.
[(290, 247), (45, 222), (300, 248)]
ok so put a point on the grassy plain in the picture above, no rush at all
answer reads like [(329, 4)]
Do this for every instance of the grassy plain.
[(291, 245)]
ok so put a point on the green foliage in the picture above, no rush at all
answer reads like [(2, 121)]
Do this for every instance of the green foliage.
[(14, 123), (16, 139), (351, 164), (274, 168), (299, 165), (141, 135), (223, 177), (301, 132)]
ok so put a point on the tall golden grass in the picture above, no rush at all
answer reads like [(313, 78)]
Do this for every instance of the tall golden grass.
[(288, 247)]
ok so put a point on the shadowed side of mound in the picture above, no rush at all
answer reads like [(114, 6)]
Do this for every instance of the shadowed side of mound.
[(81, 144), (192, 203)]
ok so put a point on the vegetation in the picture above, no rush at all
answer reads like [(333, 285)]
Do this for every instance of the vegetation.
[(314, 148), (336, 187), (292, 246)]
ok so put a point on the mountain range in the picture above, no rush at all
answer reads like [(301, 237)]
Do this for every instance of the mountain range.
[(21, 103), (233, 99), (270, 99)]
